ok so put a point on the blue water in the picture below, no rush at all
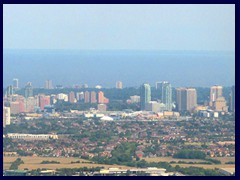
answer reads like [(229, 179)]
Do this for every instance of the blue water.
[(104, 68)]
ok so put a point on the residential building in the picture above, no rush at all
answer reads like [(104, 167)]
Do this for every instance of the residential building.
[(166, 98), (145, 95), (71, 97), (86, 97), (93, 97)]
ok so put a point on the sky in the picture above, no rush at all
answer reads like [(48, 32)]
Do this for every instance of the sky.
[(129, 27)]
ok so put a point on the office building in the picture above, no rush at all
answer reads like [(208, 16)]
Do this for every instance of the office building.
[(6, 116), (48, 84), (119, 85), (166, 97), (86, 97), (186, 99), (93, 97), (232, 99), (145, 95), (28, 90), (215, 92), (15, 83)]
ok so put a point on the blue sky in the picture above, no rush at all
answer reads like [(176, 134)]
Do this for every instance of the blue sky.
[(140, 27)]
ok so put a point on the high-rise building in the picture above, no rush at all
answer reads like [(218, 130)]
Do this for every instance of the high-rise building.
[(9, 91), (158, 85), (232, 99), (119, 85), (6, 116), (101, 97), (43, 101), (145, 95), (166, 98), (21, 101), (71, 97), (186, 99), (215, 92), (48, 84), (28, 90), (181, 98), (93, 97), (80, 96), (15, 83), (191, 99), (86, 97), (29, 104)]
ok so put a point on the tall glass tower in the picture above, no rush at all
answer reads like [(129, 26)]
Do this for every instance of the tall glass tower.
[(166, 89), (145, 95), (28, 90)]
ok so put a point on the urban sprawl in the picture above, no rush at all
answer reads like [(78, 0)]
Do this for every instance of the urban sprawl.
[(158, 131)]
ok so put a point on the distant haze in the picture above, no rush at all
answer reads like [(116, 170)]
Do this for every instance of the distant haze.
[(68, 67)]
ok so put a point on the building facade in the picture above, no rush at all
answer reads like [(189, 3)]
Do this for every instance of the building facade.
[(166, 98), (28, 90), (232, 99), (145, 95), (215, 92), (186, 99), (48, 84)]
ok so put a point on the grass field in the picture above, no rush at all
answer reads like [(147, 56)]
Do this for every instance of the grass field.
[(34, 163), (169, 159), (210, 166), (206, 166)]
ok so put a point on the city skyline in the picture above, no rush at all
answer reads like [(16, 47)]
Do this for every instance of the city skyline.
[(119, 90)]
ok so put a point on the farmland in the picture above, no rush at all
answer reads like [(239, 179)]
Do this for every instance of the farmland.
[(65, 162)]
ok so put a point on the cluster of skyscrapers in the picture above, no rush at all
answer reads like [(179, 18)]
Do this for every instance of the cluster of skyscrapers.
[(186, 98)]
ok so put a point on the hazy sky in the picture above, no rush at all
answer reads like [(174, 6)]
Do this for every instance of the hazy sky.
[(144, 27)]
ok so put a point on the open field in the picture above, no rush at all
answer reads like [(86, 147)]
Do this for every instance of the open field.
[(225, 159), (209, 166), (169, 159), (34, 163)]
